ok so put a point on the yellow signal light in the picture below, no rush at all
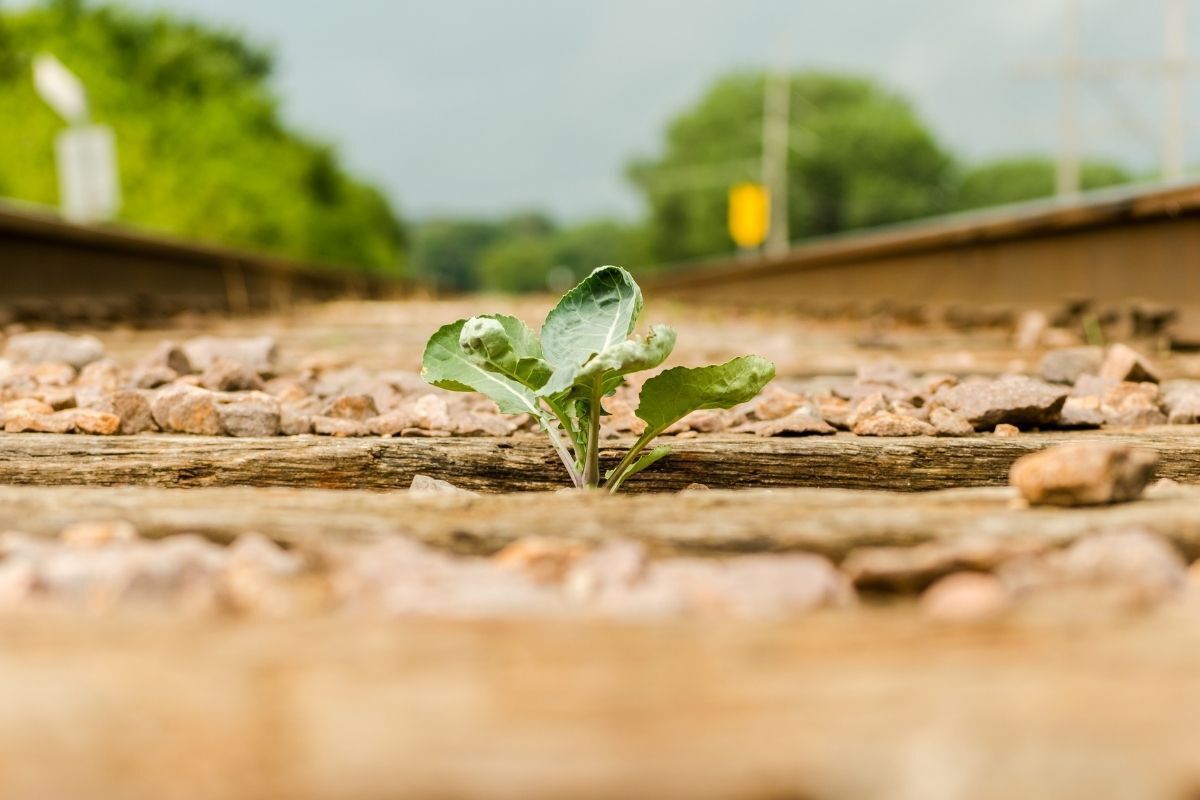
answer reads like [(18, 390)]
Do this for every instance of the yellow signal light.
[(749, 214)]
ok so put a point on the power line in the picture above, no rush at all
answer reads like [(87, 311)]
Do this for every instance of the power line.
[(1071, 69)]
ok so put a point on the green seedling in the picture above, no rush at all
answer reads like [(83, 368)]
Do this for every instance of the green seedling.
[(585, 351)]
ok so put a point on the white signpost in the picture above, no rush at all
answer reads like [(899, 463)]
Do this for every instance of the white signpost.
[(85, 154)]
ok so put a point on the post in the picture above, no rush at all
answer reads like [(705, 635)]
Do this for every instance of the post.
[(1067, 178), (1175, 53), (776, 124)]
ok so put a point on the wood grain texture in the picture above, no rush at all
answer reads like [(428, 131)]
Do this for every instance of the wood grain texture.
[(520, 464), (336, 708), (829, 522)]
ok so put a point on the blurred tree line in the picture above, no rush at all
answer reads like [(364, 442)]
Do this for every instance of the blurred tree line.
[(202, 149), (859, 157), (522, 253)]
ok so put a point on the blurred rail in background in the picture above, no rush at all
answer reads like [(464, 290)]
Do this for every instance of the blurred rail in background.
[(59, 272), (1112, 247)]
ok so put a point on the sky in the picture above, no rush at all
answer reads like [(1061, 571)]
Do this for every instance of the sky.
[(483, 107)]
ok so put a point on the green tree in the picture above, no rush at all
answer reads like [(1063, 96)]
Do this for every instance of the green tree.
[(858, 157), (446, 252), (522, 253), (203, 152), (581, 248), (1011, 180), (520, 263)]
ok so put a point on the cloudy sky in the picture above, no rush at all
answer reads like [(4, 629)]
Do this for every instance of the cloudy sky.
[(483, 106)]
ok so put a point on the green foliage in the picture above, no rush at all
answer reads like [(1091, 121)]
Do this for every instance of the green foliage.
[(203, 153), (1011, 180), (524, 253), (518, 264), (859, 157), (674, 393), (581, 358), (448, 365), (446, 251), (592, 317)]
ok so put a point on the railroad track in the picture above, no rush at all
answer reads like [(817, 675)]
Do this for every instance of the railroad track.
[(60, 272), (1108, 249)]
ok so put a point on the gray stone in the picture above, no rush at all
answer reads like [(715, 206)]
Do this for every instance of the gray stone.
[(1129, 557), (1085, 473), (21, 421), (966, 597), (1081, 412), (747, 587), (187, 409), (168, 355), (1132, 567), (103, 376), (1092, 386), (835, 410), (152, 376), (866, 407), (885, 423), (256, 354), (133, 407), (1012, 399), (357, 407), (1123, 363), (1182, 401), (472, 423), (294, 421), (619, 582), (1066, 364), (249, 414), (334, 426), (423, 484), (1132, 405), (949, 423), (775, 402), (57, 397), (89, 420), (799, 423), (51, 346), (223, 375)]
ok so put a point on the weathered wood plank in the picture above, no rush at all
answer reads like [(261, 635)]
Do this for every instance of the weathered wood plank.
[(499, 465), (830, 522), (336, 708)]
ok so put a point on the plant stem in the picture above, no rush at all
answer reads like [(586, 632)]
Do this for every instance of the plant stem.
[(615, 481), (569, 430), (591, 469), (564, 454)]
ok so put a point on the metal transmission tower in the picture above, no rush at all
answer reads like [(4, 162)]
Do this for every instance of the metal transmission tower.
[(1071, 69)]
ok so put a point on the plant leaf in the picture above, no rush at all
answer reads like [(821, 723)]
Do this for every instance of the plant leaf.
[(631, 355), (597, 314), (447, 366), (674, 393), (646, 460), (507, 346)]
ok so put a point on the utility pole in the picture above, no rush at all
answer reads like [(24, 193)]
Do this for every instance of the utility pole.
[(1067, 177), (1175, 66), (775, 135), (1173, 69)]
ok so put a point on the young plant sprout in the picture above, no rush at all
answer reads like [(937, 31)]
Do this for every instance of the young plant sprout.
[(585, 351)]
